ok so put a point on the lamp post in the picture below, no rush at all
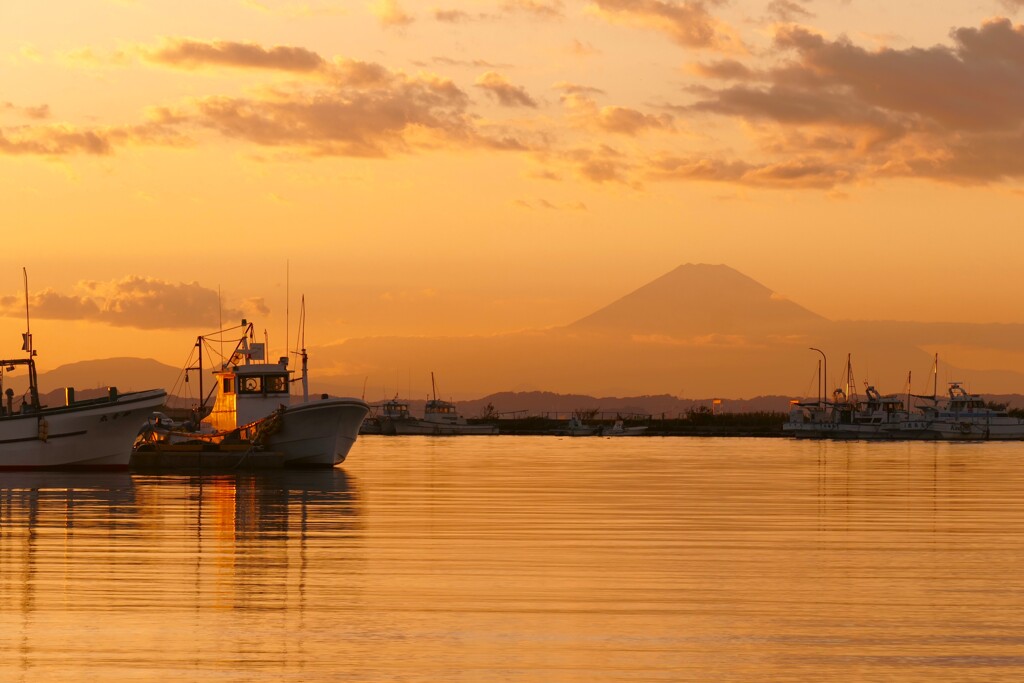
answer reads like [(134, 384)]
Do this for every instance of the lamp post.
[(824, 381)]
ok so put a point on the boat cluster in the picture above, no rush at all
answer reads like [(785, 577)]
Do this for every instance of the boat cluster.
[(957, 416)]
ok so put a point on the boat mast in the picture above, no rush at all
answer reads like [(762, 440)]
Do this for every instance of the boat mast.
[(935, 378), (33, 385), (305, 358), (433, 387)]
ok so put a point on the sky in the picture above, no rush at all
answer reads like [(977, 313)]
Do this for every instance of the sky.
[(457, 167)]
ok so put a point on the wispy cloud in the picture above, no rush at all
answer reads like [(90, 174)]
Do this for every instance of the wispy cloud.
[(194, 54), (612, 119), (505, 93), (545, 9), (390, 14), (688, 23), (41, 111), (134, 301)]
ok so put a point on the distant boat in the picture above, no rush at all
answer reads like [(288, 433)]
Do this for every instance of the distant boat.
[(440, 418), (961, 416), (254, 404), (619, 429), (575, 427)]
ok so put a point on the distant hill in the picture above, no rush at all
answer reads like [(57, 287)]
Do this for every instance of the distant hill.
[(127, 374)]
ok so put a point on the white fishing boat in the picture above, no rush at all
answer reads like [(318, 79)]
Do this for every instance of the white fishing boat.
[(962, 416), (576, 427), (847, 416), (88, 434), (445, 417), (618, 428), (254, 403)]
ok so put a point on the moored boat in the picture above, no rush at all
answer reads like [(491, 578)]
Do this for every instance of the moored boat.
[(88, 434), (254, 404)]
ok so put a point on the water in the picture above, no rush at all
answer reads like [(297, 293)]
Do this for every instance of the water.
[(527, 559)]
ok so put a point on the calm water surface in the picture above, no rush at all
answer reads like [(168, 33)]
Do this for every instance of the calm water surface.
[(527, 559)]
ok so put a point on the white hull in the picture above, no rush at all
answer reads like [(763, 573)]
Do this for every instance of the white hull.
[(318, 433), (89, 435)]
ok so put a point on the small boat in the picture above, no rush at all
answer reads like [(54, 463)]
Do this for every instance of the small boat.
[(254, 405), (619, 429), (446, 419), (575, 427)]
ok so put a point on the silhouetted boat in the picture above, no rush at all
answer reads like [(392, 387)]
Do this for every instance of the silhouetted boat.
[(254, 405)]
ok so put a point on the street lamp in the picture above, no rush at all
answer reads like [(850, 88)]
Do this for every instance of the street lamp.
[(824, 380)]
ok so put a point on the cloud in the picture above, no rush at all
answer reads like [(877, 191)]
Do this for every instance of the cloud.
[(134, 301), (581, 49), (723, 69), (456, 16), (344, 108), (63, 139), (505, 93), (41, 111), (953, 113), (577, 89), (475, 63), (687, 22), (787, 11), (545, 9), (613, 119), (390, 14), (391, 114), (791, 174), (193, 54), (600, 165)]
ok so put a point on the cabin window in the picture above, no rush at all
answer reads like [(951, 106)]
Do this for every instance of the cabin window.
[(277, 384), (250, 385), (228, 386)]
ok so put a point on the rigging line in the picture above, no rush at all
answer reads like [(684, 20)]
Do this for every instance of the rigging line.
[(184, 370)]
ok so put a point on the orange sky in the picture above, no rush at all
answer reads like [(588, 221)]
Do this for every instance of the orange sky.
[(464, 167)]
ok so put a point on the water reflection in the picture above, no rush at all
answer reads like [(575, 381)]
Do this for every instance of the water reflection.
[(527, 559)]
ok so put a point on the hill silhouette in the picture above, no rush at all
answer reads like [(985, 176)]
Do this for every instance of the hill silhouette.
[(125, 373)]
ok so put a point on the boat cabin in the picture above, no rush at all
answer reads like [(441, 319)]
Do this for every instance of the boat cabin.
[(249, 391)]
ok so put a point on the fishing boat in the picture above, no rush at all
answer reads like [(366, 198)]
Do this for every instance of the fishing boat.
[(254, 406), (847, 416), (445, 417), (959, 416), (87, 434), (576, 427), (962, 416), (440, 418), (618, 428)]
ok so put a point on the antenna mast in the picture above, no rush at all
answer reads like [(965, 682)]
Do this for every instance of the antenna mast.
[(33, 386)]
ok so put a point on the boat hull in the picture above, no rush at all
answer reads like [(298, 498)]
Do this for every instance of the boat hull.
[(95, 435), (318, 433)]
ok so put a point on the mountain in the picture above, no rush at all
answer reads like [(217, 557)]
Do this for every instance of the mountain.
[(701, 299), (700, 330)]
